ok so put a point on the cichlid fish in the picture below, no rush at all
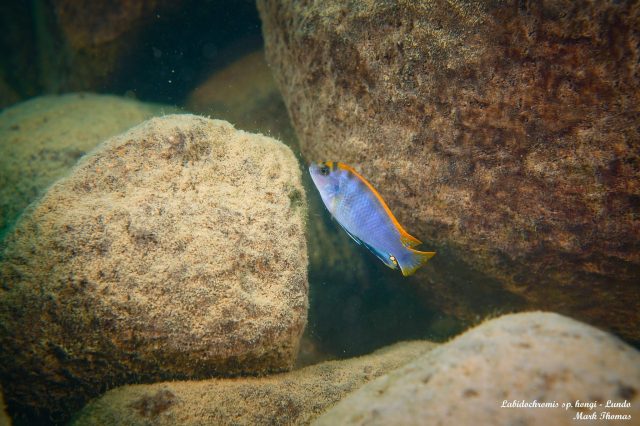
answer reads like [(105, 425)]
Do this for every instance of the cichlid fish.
[(364, 215)]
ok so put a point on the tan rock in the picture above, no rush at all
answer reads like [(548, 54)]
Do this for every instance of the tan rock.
[(175, 250), (504, 136), (245, 94), (41, 139), (540, 357), (291, 398)]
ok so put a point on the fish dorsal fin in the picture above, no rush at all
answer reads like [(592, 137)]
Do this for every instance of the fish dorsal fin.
[(406, 239)]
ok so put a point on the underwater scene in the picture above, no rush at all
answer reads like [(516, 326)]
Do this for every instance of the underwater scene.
[(327, 212)]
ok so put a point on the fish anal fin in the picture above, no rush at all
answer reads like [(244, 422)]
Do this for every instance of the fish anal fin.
[(384, 258)]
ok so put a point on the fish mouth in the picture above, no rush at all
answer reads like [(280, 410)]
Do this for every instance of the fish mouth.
[(314, 167)]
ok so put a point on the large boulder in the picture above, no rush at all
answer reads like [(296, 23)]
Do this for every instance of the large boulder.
[(505, 136), (291, 398), (41, 139), (175, 250), (486, 375)]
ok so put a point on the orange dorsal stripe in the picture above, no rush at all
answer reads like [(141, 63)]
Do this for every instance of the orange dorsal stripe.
[(406, 238)]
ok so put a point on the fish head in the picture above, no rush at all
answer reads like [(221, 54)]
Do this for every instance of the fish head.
[(326, 177)]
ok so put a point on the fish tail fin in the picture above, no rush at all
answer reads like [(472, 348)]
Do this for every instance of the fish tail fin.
[(413, 260)]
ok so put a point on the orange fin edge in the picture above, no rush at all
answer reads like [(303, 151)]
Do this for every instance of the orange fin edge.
[(421, 257), (406, 239)]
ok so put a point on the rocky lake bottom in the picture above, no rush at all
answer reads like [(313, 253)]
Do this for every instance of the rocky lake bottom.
[(170, 261)]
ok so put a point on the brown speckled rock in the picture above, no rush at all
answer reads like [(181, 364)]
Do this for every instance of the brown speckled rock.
[(523, 357), (41, 139), (284, 399), (88, 24), (175, 250), (96, 38), (503, 134)]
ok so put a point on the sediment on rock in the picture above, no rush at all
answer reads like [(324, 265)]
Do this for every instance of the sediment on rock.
[(174, 250), (43, 138), (533, 357), (504, 134), (291, 398)]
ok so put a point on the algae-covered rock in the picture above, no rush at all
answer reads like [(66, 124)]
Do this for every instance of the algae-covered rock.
[(541, 357), (175, 250), (504, 135), (41, 139), (291, 398)]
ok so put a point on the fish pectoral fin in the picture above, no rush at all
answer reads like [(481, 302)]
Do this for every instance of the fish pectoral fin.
[(353, 237)]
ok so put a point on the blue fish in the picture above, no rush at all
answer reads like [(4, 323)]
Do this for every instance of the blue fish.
[(363, 214)]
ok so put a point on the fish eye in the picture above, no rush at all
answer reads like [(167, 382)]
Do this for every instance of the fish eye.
[(324, 170), (393, 259)]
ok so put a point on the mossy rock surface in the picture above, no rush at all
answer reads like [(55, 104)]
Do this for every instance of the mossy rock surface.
[(43, 138), (541, 357), (505, 136), (173, 250), (296, 397)]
